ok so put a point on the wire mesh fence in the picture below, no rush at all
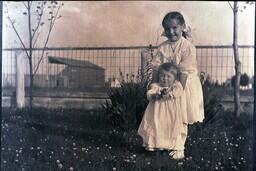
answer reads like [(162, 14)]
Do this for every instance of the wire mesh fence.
[(84, 67)]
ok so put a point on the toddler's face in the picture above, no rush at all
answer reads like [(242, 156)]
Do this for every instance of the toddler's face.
[(173, 30), (166, 79)]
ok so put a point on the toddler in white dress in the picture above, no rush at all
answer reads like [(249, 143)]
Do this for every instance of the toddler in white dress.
[(164, 126)]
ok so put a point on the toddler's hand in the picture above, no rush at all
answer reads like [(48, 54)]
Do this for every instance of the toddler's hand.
[(164, 91), (155, 96)]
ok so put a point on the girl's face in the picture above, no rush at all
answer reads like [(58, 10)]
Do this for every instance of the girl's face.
[(166, 79), (173, 30)]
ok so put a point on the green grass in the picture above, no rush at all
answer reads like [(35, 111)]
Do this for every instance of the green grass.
[(83, 140)]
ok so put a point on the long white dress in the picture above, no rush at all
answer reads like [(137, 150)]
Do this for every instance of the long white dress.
[(162, 122), (183, 54)]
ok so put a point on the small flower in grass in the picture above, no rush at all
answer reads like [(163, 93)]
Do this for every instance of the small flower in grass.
[(98, 148), (236, 145), (229, 158), (134, 155), (74, 144), (106, 145), (89, 162), (57, 161), (214, 142), (215, 149), (219, 163), (180, 163), (249, 149), (114, 168), (127, 160), (148, 163), (74, 154), (4, 161), (242, 158), (60, 165), (110, 147), (216, 167), (16, 160), (71, 168), (202, 159), (31, 148)]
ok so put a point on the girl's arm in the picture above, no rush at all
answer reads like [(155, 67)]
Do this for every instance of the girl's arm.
[(183, 79), (187, 64)]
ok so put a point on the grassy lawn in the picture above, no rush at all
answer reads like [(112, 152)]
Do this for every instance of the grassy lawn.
[(83, 140)]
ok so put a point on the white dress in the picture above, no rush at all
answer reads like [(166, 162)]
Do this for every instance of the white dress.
[(183, 54), (163, 119)]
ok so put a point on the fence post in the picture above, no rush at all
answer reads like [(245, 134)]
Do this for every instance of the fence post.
[(20, 87)]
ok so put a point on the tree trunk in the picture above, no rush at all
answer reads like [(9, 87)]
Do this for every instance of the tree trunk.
[(31, 85), (237, 62)]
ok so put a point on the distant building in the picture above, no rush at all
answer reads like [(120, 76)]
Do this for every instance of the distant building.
[(78, 73)]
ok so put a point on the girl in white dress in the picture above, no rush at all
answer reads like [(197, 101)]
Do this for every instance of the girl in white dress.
[(163, 124), (182, 53)]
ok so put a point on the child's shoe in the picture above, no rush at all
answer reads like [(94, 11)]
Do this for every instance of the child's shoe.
[(177, 154), (149, 149)]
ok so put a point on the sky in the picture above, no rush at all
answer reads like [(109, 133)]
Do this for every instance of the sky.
[(130, 23)]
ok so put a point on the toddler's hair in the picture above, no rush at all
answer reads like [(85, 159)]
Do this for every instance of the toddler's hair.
[(169, 67), (174, 15)]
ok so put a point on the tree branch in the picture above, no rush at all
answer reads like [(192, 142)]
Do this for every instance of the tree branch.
[(29, 30), (16, 31), (39, 21), (25, 4), (47, 39), (230, 6), (35, 40)]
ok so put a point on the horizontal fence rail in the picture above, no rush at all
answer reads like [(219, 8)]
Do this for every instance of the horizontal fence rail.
[(85, 67)]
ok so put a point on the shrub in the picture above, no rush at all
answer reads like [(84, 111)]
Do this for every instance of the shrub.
[(126, 106), (244, 81), (212, 94)]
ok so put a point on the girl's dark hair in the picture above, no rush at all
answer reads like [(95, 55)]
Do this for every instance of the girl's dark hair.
[(169, 67), (174, 15)]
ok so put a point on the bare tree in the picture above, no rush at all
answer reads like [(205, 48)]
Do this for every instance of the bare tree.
[(235, 10), (41, 16)]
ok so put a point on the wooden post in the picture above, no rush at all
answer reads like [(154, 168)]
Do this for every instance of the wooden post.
[(20, 87)]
